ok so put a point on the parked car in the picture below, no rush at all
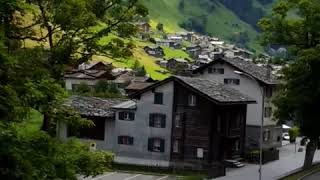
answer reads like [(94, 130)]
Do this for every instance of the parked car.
[(285, 136)]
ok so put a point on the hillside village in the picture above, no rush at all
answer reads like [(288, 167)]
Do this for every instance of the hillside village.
[(181, 52), (172, 112), (159, 90)]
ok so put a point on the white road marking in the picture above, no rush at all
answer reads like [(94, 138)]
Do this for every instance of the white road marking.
[(162, 178), (97, 178), (131, 177)]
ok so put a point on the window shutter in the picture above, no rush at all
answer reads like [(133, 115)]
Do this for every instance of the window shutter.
[(150, 144), (121, 115), (131, 140), (119, 139), (131, 116), (162, 145), (151, 120), (163, 121)]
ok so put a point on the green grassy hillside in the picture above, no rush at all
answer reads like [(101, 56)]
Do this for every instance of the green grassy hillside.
[(216, 17)]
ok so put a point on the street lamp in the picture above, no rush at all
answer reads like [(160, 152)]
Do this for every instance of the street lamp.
[(262, 119)]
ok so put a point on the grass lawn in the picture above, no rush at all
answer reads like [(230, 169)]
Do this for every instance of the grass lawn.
[(31, 125), (174, 53), (315, 168)]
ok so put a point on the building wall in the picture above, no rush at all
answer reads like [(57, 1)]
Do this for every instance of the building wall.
[(69, 82), (139, 128), (251, 88), (109, 139), (253, 135)]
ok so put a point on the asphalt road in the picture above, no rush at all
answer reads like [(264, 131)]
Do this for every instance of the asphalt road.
[(127, 176), (315, 176)]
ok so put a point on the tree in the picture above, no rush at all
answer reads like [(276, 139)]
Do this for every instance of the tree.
[(66, 31), (71, 29), (300, 93), (160, 27)]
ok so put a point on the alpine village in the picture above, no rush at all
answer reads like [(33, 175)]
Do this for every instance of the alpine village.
[(159, 89)]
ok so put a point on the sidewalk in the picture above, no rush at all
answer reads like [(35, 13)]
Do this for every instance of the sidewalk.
[(289, 161)]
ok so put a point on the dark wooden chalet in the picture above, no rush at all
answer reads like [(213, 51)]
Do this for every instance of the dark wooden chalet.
[(208, 122)]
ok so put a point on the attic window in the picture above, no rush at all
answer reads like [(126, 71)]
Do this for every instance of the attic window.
[(232, 81), (215, 70), (158, 98)]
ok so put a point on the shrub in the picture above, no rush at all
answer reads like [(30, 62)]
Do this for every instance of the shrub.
[(293, 133)]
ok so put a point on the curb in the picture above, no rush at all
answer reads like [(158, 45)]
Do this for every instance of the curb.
[(295, 171)]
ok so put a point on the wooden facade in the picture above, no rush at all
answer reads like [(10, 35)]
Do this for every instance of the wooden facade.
[(214, 129)]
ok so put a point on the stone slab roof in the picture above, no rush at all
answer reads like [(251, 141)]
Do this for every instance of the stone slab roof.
[(126, 105), (86, 74), (93, 106), (215, 90), (212, 90), (258, 72), (138, 85)]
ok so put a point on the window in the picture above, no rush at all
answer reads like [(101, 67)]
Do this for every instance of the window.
[(156, 145), (192, 101), (158, 98), (232, 81), (266, 135), (95, 132), (267, 112), (157, 120), (125, 140), (176, 146), (126, 116), (199, 152), (177, 119), (215, 70)]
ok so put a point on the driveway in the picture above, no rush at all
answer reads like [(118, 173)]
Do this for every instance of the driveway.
[(128, 176), (289, 161)]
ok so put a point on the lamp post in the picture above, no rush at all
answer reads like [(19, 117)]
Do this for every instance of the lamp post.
[(262, 119)]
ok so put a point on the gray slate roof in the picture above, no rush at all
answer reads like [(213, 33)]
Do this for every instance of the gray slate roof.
[(93, 106), (126, 105), (215, 90), (258, 72)]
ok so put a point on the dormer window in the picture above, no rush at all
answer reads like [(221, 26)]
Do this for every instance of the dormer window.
[(232, 81), (212, 70)]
